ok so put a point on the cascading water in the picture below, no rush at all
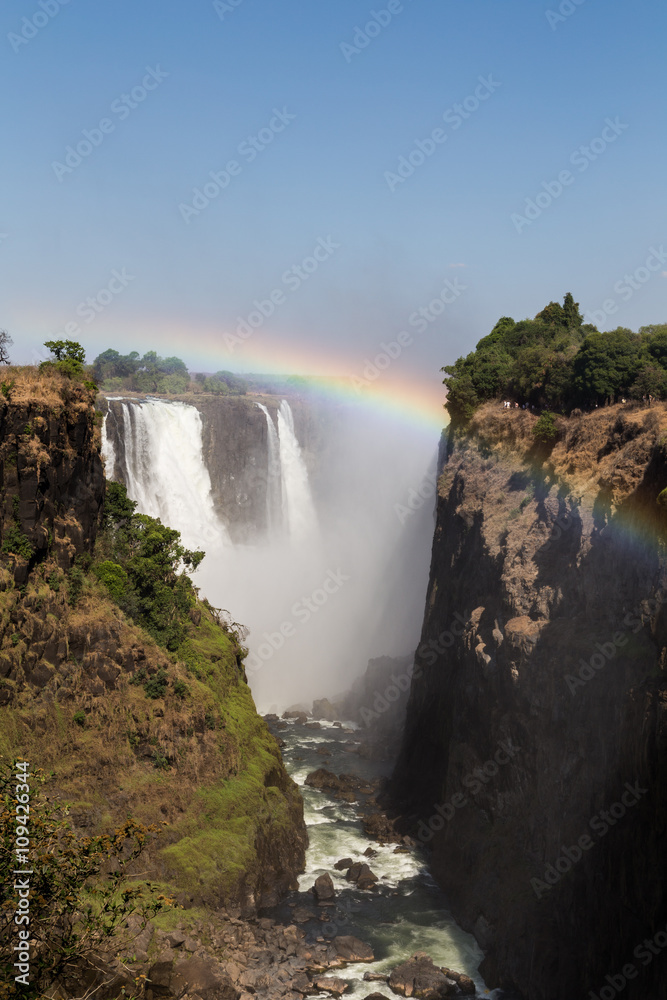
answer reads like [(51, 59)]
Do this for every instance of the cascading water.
[(298, 507), (108, 450), (274, 478), (165, 472)]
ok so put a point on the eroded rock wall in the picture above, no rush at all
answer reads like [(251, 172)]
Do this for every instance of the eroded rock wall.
[(539, 700)]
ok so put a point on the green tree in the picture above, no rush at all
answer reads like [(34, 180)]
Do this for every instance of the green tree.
[(68, 357), (146, 576), (651, 381), (607, 364), (80, 891), (572, 318)]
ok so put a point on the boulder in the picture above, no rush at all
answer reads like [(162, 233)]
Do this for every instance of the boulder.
[(331, 985), (323, 709), (465, 984), (323, 888), (343, 864), (294, 714), (419, 977), (352, 949), (362, 875)]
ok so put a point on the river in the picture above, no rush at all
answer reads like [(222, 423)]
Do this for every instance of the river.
[(406, 912)]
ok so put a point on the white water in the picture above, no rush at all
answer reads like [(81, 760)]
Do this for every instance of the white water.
[(166, 473), (324, 591), (273, 477), (298, 507), (108, 451), (406, 912)]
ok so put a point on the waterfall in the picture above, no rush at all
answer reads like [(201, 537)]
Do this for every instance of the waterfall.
[(108, 450), (165, 472), (273, 480), (297, 501)]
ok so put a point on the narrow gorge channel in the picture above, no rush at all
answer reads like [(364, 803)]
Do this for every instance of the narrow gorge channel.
[(404, 912), (399, 911)]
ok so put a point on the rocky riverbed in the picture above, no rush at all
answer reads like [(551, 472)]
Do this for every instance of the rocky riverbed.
[(366, 919)]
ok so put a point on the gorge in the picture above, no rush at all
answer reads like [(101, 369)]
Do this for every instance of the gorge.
[(531, 755)]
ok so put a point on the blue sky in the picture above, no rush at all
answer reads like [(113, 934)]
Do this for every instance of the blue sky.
[(219, 75)]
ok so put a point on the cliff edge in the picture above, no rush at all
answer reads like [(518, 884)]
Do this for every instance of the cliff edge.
[(534, 757)]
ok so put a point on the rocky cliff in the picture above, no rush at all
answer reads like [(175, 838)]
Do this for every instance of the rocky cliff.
[(534, 758), (124, 726)]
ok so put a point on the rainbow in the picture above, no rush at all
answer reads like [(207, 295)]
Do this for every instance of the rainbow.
[(406, 398)]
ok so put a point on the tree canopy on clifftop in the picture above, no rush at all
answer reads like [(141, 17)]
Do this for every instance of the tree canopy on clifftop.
[(557, 361)]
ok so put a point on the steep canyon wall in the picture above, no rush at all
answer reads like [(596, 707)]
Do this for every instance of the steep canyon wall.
[(534, 757)]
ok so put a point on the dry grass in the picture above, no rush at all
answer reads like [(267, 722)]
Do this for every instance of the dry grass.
[(610, 445), (49, 388)]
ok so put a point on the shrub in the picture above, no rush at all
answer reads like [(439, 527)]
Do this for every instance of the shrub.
[(74, 906), (661, 498), (15, 541), (180, 689), (75, 582), (79, 717), (160, 761), (114, 578), (156, 686), (546, 429)]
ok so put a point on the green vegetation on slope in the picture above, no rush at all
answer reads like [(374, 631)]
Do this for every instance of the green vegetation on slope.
[(119, 681), (557, 361)]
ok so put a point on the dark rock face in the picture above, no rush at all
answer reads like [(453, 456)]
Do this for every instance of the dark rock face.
[(51, 477), (539, 701)]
